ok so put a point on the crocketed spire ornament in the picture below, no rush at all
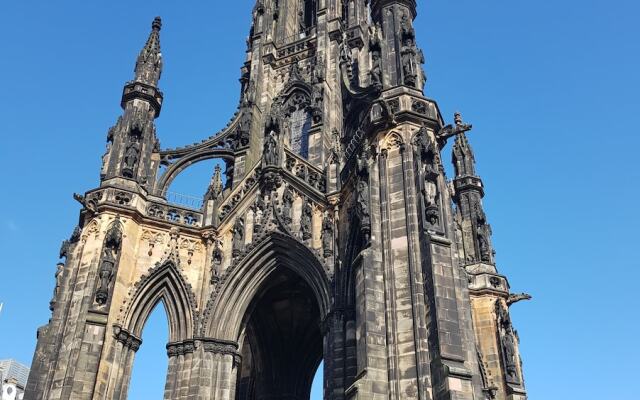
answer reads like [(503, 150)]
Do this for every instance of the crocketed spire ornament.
[(149, 63), (216, 185)]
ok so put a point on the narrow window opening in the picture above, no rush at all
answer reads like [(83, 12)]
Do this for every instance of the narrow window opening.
[(300, 126), (309, 13), (151, 361)]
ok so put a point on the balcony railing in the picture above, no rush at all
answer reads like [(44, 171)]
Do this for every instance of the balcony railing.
[(183, 200)]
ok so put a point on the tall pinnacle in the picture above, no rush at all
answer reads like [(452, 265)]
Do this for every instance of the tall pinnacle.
[(463, 159), (215, 186), (149, 63)]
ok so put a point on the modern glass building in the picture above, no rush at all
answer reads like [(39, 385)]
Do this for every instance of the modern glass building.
[(13, 369)]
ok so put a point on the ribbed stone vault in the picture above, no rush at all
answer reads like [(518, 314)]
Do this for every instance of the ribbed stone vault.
[(282, 342)]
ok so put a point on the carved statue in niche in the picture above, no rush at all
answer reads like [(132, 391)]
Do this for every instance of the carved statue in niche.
[(430, 171), (238, 236), (375, 73), (258, 213), (305, 219), (507, 343), (131, 156), (376, 70), (483, 232), (410, 55), (270, 152), (113, 238), (271, 130), (216, 260), (483, 245), (362, 194), (287, 202), (105, 274), (111, 248), (318, 71), (56, 289), (317, 99), (327, 237)]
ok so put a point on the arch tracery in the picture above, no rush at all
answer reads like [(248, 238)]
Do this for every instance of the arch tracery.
[(241, 283), (164, 282)]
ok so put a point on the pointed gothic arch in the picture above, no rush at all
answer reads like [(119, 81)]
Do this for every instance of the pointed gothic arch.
[(163, 283), (185, 161), (243, 281), (271, 304)]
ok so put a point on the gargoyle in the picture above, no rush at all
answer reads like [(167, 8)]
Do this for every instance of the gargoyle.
[(516, 297), (86, 204)]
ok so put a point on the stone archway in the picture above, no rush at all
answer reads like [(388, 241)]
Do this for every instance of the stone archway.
[(272, 304), (281, 343), (163, 284)]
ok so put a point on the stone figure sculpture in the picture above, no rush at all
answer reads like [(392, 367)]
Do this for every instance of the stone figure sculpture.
[(327, 237), (270, 153), (305, 219), (238, 236)]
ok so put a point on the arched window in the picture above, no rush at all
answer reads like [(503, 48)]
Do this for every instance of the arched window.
[(300, 126)]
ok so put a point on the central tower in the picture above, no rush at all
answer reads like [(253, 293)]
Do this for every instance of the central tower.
[(332, 234)]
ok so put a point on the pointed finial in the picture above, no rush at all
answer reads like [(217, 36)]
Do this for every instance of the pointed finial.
[(149, 63), (156, 25), (463, 158), (460, 127), (215, 186), (457, 118)]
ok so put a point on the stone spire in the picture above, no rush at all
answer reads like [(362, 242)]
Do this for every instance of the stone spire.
[(469, 191), (463, 159), (132, 140), (149, 63), (215, 186)]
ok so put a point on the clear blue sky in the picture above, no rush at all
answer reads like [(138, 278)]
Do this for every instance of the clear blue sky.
[(550, 86)]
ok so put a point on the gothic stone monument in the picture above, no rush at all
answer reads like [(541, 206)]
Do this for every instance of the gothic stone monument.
[(332, 234)]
